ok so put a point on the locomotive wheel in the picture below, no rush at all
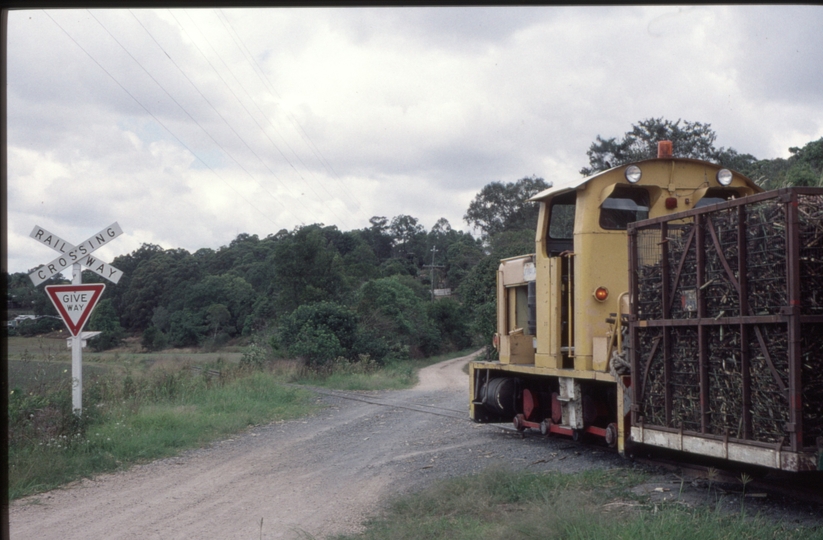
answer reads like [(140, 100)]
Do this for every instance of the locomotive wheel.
[(611, 435), (545, 427)]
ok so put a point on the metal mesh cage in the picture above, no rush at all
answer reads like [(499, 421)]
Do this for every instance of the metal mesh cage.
[(810, 218), (766, 261), (707, 363)]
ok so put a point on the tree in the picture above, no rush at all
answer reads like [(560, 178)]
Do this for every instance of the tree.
[(307, 268), (21, 294), (187, 328), (504, 207), (805, 165), (217, 316), (393, 311), (378, 237), (409, 237), (360, 265), (153, 339), (691, 140), (128, 264), (448, 318), (155, 282), (225, 301), (803, 168), (319, 332), (316, 346), (104, 319), (461, 257)]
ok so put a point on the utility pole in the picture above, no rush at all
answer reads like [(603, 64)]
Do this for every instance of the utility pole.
[(433, 266)]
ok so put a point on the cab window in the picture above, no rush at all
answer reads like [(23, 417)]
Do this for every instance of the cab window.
[(560, 235), (561, 218), (625, 205), (714, 196)]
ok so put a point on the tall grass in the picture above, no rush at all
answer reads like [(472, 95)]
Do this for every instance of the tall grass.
[(135, 418), (595, 504)]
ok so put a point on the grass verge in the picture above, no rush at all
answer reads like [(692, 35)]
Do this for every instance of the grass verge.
[(130, 421), (595, 504)]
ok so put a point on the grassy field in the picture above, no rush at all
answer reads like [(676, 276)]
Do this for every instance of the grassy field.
[(35, 361), (589, 505)]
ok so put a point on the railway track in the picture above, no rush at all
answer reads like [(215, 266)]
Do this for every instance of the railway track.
[(724, 476), (374, 400)]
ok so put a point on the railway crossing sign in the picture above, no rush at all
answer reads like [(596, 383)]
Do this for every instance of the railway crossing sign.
[(79, 254), (75, 303)]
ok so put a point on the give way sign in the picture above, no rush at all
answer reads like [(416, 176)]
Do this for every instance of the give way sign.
[(75, 303)]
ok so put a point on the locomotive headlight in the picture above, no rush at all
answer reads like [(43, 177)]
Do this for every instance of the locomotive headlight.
[(633, 174), (601, 293), (724, 177)]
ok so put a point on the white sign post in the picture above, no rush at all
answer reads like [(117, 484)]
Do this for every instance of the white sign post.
[(75, 302)]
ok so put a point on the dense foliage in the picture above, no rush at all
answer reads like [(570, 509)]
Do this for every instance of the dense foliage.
[(503, 207), (689, 140), (804, 167), (330, 294)]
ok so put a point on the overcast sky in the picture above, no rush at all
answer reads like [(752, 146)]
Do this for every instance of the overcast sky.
[(189, 127)]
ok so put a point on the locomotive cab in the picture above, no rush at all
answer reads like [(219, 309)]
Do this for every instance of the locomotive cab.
[(561, 309)]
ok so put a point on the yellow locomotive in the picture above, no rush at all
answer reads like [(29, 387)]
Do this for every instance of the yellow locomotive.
[(570, 332)]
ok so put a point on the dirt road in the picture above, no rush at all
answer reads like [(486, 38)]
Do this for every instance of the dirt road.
[(320, 475)]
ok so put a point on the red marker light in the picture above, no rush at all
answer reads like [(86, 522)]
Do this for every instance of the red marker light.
[(601, 293)]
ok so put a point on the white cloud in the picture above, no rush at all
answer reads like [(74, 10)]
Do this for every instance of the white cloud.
[(176, 132)]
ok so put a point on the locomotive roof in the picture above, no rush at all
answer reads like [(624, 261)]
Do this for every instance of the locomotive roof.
[(569, 185)]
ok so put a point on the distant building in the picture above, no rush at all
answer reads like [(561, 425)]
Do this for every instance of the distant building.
[(14, 323)]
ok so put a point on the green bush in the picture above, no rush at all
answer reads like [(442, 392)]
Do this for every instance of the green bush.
[(316, 345), (187, 328), (391, 310), (371, 344), (255, 354), (484, 325), (104, 319), (319, 332), (44, 414), (449, 317), (154, 339)]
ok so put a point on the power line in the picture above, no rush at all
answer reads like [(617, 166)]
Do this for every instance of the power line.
[(305, 136), (170, 132), (252, 62), (229, 154), (246, 109), (218, 113)]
